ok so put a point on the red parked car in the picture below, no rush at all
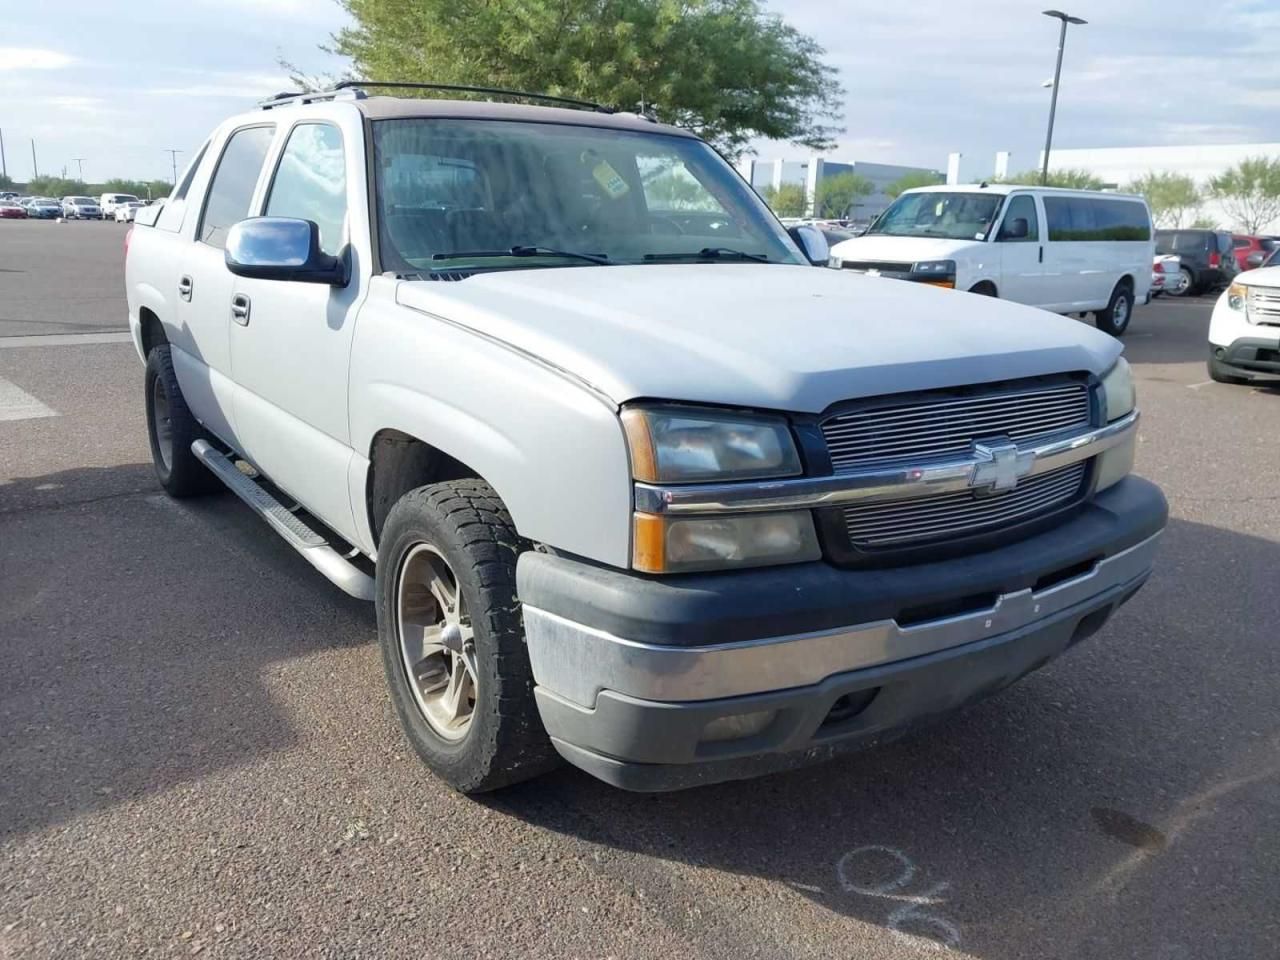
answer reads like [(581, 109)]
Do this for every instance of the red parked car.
[(1245, 247), (12, 211)]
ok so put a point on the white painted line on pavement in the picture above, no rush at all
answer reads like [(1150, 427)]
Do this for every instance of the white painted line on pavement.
[(1197, 386), (63, 339), (17, 404)]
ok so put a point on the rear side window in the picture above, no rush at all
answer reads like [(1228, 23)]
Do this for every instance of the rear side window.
[(1241, 242), (233, 183), (1093, 219), (175, 207), (1183, 241), (311, 182)]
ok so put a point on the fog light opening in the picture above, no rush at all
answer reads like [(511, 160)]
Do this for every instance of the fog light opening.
[(848, 706)]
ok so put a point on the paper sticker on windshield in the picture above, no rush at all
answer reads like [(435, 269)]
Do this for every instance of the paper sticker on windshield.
[(610, 180)]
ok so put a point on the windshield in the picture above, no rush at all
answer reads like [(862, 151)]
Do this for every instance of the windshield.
[(447, 188), (954, 216), (82, 200)]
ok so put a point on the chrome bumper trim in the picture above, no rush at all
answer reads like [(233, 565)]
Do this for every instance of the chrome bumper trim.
[(863, 486), (576, 661)]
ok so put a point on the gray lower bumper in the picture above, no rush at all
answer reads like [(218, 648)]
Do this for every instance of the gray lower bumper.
[(661, 716)]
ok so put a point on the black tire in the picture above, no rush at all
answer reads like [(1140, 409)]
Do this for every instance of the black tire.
[(984, 289), (466, 522), (1115, 318), (1219, 372), (177, 468)]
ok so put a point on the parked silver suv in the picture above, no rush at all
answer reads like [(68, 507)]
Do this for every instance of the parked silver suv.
[(630, 481)]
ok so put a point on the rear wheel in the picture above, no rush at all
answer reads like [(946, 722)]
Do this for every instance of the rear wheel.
[(984, 289), (1182, 284), (452, 638), (172, 429), (1115, 318)]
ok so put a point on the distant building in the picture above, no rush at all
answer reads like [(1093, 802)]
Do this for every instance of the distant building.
[(763, 174), (1118, 166)]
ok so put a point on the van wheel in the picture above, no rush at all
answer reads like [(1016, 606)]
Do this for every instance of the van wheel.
[(1115, 319), (452, 638), (172, 429), (984, 289)]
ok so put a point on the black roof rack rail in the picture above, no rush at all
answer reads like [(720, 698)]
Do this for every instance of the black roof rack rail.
[(467, 88), (311, 96)]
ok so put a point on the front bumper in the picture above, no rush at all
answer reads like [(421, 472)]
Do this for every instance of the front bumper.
[(632, 671), (1250, 348)]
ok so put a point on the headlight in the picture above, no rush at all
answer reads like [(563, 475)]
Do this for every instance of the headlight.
[(1119, 398), (1236, 294), (682, 445), (686, 544), (935, 268)]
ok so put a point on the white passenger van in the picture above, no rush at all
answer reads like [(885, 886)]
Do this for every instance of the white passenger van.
[(1069, 251)]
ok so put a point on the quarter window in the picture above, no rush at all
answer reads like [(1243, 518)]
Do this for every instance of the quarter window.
[(231, 191), (311, 182), (175, 206), (1094, 219)]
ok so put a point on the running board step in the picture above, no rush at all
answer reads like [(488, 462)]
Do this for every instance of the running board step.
[(313, 547)]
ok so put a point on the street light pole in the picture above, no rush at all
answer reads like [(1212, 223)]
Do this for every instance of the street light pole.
[(80, 162), (1057, 75), (173, 156), (35, 171)]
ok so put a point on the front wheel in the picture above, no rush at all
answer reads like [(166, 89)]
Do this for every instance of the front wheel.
[(172, 428), (1115, 318), (452, 637)]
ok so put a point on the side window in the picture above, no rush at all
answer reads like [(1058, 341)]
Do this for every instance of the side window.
[(1021, 207), (1088, 218), (311, 182), (175, 206), (1069, 218), (231, 189), (1241, 242)]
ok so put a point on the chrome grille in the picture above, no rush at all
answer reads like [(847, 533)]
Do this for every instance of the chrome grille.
[(936, 428), (1264, 305), (905, 522)]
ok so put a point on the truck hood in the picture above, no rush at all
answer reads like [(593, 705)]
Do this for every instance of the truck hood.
[(791, 338), (899, 249)]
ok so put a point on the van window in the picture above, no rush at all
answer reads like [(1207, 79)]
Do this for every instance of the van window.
[(937, 213), (1021, 207), (1093, 219), (231, 190)]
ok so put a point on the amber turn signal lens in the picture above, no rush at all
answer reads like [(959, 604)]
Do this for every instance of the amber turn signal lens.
[(649, 554), (644, 465)]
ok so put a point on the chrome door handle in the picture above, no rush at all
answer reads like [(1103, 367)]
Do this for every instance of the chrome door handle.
[(240, 309), (184, 287)]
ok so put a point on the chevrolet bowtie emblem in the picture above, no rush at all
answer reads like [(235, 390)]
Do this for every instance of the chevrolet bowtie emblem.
[(999, 467)]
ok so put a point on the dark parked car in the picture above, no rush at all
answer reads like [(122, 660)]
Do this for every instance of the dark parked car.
[(1208, 259)]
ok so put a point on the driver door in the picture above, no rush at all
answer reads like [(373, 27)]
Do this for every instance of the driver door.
[(1022, 252)]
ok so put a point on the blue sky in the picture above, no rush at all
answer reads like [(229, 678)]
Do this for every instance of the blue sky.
[(119, 81)]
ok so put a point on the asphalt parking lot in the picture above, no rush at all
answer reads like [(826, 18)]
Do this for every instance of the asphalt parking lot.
[(199, 757)]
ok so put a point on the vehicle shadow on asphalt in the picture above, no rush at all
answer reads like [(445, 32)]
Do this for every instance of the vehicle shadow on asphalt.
[(135, 632), (1092, 782)]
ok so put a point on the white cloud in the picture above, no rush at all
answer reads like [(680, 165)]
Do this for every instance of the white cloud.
[(256, 86), (32, 58)]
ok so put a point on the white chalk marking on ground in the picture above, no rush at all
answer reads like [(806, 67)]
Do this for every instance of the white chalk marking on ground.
[(17, 404), (63, 339), (1197, 386)]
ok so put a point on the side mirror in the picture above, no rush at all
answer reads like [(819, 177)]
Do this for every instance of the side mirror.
[(811, 243), (1255, 260), (1015, 229), (281, 248)]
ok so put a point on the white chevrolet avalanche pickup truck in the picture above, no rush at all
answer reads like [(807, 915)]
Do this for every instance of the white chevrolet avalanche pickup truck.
[(630, 481)]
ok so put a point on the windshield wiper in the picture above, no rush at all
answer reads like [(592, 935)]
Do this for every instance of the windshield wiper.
[(519, 251), (710, 253)]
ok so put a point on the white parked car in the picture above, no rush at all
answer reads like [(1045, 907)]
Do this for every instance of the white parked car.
[(1244, 331), (81, 208), (109, 201), (125, 211), (1069, 251), (1166, 274), (671, 504)]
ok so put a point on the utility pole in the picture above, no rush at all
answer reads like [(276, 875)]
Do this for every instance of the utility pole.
[(173, 156), (1057, 75), (35, 171), (4, 167), (80, 161)]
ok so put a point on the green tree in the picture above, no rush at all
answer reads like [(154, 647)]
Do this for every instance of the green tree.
[(1075, 179), (145, 189), (1204, 223), (836, 194), (909, 181), (727, 69), (788, 200), (1173, 197), (6, 182), (1250, 192), (56, 187)]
